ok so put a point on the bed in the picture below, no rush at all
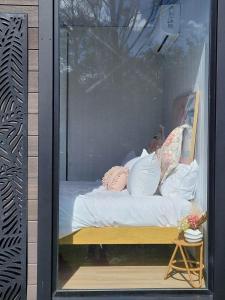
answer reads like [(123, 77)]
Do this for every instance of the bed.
[(89, 214)]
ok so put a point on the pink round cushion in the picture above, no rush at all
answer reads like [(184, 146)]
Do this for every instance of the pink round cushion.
[(115, 179)]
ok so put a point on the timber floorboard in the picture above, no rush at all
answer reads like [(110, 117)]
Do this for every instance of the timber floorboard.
[(123, 277)]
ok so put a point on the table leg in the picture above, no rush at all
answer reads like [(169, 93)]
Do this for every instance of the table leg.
[(186, 266), (201, 265), (171, 262), (190, 258)]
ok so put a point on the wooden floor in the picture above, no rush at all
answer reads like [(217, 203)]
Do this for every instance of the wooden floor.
[(123, 277)]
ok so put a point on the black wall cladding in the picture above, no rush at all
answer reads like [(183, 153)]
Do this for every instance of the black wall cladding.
[(13, 155)]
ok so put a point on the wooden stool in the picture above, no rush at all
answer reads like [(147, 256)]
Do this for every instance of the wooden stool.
[(192, 267)]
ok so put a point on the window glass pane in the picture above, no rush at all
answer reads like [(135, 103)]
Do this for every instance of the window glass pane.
[(133, 143)]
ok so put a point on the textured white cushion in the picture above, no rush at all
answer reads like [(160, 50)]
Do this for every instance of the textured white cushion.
[(182, 182), (131, 162), (143, 178)]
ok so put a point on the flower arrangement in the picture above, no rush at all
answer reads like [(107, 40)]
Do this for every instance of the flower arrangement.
[(193, 222)]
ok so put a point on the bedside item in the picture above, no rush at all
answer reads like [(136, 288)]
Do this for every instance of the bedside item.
[(155, 144), (192, 267), (143, 178), (192, 222), (193, 236), (157, 140)]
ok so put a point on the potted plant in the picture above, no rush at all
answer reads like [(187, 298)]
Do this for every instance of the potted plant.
[(189, 227)]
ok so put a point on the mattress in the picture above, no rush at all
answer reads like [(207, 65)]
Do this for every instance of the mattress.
[(88, 204)]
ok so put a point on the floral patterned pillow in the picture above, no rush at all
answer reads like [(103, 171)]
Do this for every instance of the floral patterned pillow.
[(170, 152)]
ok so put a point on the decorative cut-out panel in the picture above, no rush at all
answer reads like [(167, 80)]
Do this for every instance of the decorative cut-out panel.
[(13, 155)]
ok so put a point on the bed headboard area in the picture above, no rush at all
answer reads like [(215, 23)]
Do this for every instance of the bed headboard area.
[(185, 110), (195, 125)]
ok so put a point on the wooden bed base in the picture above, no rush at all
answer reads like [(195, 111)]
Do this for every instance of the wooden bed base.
[(121, 235)]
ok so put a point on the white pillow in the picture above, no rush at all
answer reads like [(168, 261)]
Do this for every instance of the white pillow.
[(182, 182), (143, 178), (131, 162)]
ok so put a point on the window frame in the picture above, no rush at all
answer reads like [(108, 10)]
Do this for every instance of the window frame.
[(49, 166)]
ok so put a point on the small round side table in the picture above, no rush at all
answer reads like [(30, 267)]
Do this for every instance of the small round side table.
[(189, 265)]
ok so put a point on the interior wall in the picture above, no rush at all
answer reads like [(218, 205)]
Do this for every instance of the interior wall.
[(118, 116)]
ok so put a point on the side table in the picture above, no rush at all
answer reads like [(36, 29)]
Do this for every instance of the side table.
[(193, 267)]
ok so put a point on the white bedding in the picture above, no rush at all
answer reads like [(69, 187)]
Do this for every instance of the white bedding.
[(87, 204)]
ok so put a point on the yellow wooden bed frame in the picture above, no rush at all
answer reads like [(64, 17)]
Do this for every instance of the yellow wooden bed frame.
[(130, 235)]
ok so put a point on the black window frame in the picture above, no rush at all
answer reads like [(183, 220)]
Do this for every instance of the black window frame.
[(48, 166)]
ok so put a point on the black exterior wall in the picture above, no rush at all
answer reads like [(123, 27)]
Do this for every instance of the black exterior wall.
[(48, 113), (45, 148)]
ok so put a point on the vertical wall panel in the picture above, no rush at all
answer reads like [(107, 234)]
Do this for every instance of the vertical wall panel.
[(13, 155)]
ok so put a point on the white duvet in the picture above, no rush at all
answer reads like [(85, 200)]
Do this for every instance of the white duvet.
[(86, 204)]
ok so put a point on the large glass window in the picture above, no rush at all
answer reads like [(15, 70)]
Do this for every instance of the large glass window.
[(133, 144)]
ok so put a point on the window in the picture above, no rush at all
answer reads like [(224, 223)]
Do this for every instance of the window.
[(133, 96)]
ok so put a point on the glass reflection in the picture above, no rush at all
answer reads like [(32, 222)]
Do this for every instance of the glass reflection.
[(127, 72)]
